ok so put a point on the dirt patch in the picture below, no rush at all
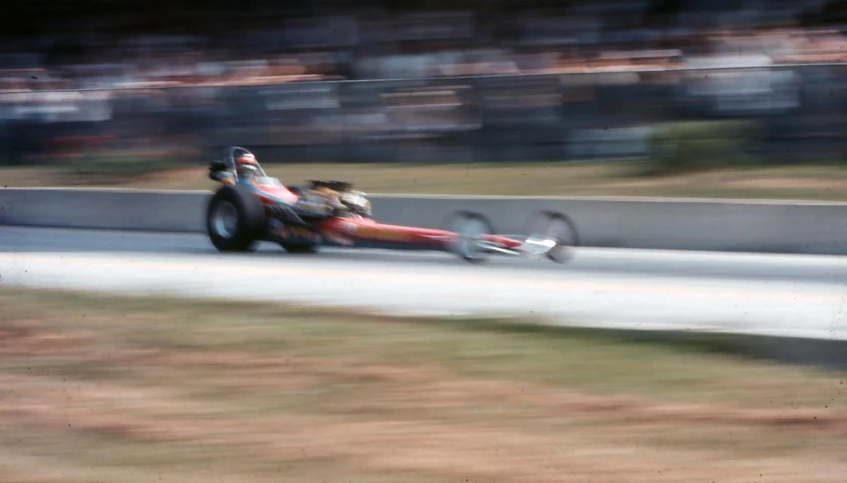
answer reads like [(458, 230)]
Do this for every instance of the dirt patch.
[(172, 177), (21, 339), (562, 179), (365, 410), (505, 451), (788, 183), (435, 388), (417, 439), (430, 386)]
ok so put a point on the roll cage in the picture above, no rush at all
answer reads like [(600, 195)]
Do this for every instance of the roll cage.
[(226, 163)]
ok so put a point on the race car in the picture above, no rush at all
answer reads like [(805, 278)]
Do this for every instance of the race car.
[(251, 207)]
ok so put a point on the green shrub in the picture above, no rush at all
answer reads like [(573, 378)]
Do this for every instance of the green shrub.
[(702, 145)]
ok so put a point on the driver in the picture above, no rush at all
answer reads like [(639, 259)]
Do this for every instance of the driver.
[(246, 167)]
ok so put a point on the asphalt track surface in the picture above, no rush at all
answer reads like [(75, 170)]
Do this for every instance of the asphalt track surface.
[(788, 295)]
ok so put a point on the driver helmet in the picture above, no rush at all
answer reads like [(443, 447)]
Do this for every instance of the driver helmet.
[(246, 166)]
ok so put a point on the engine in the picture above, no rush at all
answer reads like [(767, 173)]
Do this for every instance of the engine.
[(357, 203), (334, 198)]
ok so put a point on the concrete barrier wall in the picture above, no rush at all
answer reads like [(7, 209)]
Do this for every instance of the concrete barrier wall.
[(812, 228), (177, 211), (775, 227)]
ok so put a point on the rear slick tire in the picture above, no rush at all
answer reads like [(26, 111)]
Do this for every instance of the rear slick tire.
[(235, 219)]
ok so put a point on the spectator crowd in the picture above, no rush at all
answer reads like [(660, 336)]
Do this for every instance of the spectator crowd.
[(71, 76)]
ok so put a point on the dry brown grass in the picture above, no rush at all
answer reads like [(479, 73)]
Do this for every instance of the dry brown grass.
[(531, 179), (119, 389)]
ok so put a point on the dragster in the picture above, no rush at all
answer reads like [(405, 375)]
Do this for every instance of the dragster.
[(251, 207)]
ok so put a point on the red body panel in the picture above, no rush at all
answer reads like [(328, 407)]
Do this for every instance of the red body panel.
[(506, 242), (362, 229), (278, 192)]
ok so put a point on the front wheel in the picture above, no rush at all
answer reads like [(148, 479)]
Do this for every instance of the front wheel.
[(471, 229), (559, 228)]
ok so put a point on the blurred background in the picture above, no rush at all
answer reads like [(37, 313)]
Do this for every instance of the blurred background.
[(106, 388), (458, 81)]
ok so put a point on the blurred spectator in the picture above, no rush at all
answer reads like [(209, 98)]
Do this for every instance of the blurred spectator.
[(231, 68)]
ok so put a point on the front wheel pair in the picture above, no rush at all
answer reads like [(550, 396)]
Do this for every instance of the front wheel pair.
[(472, 228)]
